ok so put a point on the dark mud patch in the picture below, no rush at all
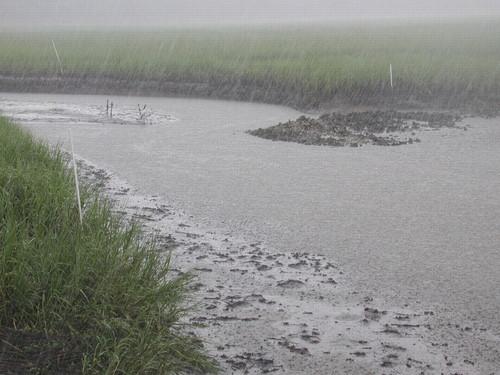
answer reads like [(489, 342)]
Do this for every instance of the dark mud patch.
[(23, 352), (291, 284), (382, 128)]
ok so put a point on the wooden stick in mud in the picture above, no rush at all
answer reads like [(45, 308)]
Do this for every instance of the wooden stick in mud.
[(76, 178), (390, 73), (57, 56)]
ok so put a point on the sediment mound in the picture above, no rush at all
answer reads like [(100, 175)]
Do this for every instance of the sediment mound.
[(383, 128)]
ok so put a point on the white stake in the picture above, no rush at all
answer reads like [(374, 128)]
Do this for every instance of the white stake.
[(76, 178), (57, 55), (390, 72)]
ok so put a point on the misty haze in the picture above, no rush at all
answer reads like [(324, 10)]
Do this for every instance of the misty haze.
[(249, 187), (160, 13)]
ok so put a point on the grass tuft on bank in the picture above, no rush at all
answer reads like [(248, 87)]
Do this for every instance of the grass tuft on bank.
[(96, 298)]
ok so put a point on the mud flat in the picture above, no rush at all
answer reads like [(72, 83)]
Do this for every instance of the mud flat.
[(382, 128), (261, 311)]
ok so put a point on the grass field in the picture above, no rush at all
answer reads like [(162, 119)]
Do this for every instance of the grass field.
[(92, 298), (451, 59)]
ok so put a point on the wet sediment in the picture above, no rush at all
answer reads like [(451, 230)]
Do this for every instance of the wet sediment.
[(382, 128), (264, 311)]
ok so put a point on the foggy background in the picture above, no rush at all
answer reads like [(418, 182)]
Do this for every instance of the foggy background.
[(34, 14)]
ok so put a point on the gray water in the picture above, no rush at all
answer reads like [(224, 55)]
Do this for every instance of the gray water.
[(417, 223)]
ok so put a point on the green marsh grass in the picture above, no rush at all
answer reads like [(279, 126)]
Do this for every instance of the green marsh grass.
[(453, 58), (100, 284)]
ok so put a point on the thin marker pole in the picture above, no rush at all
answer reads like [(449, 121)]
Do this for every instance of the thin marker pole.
[(57, 56), (76, 178), (390, 73)]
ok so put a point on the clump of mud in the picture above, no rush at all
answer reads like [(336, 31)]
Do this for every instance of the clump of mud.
[(383, 128)]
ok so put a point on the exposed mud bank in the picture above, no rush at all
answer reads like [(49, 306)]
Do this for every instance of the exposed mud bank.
[(485, 104), (382, 128), (262, 311)]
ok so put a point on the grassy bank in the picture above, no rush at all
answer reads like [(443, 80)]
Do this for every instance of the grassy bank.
[(91, 298), (304, 66)]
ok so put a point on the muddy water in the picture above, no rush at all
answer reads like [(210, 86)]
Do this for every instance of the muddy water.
[(418, 223)]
